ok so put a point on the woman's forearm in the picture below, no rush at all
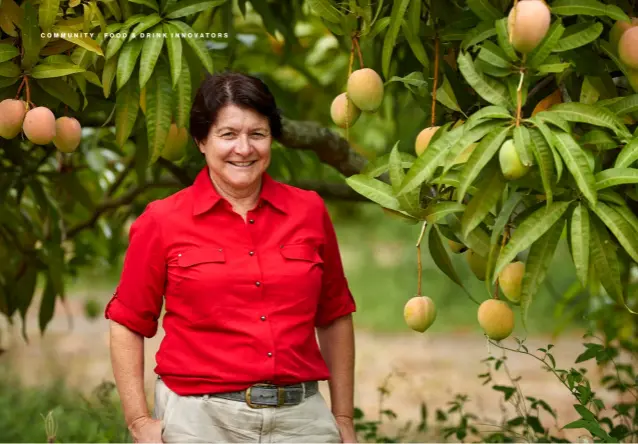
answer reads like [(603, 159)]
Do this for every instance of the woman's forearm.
[(127, 359), (337, 347)]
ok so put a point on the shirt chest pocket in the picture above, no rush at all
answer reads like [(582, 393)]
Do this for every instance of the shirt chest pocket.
[(301, 266), (199, 270)]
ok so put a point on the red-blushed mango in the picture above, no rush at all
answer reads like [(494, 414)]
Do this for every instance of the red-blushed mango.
[(423, 139), (176, 141), (510, 279), (419, 313), (343, 111), (528, 24), (365, 89), (619, 29), (455, 246), (39, 125), (477, 263), (68, 134), (496, 318), (12, 114), (511, 165), (628, 48)]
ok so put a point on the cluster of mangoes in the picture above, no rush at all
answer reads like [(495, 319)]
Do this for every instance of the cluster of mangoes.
[(364, 93), (39, 125)]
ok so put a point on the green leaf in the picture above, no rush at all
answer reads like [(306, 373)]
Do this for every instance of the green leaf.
[(605, 260), (159, 102), (8, 52), (555, 68), (150, 3), (92, 77), (47, 71), (61, 90), (544, 159), (185, 8), (30, 36), (425, 165), (441, 257), (589, 94), (478, 34), (83, 41), (490, 90), (504, 215), (47, 304), (628, 155), (555, 119), (579, 228), (598, 138), (477, 240), (481, 155), (445, 95), (495, 56), (490, 189), (470, 137), (150, 54), (144, 24), (502, 35), (625, 105), (108, 75), (577, 164), (409, 201), (529, 231), (377, 191), (127, 104), (627, 214), (616, 176), (380, 165), (183, 98), (416, 45), (619, 227), (326, 10), (547, 45), (398, 12), (547, 135), (522, 142), (589, 8), (538, 261), (484, 10), (197, 45), (48, 13), (127, 60), (488, 112), (590, 114), (578, 35), (439, 210), (174, 46), (23, 291)]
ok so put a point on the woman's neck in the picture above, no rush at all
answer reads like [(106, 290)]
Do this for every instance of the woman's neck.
[(243, 200)]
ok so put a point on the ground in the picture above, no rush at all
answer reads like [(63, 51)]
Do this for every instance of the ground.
[(416, 367)]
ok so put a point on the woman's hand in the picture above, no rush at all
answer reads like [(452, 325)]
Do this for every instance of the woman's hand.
[(346, 429), (146, 429)]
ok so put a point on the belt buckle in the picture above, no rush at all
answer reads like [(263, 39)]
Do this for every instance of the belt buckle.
[(280, 397)]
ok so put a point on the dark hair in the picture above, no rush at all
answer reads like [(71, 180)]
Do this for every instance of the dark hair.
[(218, 90)]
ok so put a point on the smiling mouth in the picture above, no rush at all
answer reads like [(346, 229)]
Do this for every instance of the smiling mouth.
[(242, 164)]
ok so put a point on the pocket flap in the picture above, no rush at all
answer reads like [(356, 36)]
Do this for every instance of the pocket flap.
[(189, 258), (302, 252)]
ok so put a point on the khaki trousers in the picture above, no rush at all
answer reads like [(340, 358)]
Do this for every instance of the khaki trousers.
[(211, 419)]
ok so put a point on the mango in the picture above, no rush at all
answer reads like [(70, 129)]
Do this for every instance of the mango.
[(39, 125), (628, 48), (496, 318), (12, 114), (176, 141), (68, 134), (423, 139), (528, 24), (477, 263), (619, 29), (343, 111), (511, 165), (365, 89), (510, 279), (419, 313)]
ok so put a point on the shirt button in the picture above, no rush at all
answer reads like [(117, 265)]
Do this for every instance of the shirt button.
[(252, 221), (269, 355), (263, 318), (258, 283), (252, 253)]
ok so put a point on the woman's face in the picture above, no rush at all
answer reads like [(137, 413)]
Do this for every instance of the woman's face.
[(237, 149)]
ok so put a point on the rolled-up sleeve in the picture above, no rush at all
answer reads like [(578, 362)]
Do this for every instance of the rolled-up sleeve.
[(138, 298), (336, 298)]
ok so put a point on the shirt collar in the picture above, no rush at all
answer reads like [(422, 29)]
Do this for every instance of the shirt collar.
[(206, 196)]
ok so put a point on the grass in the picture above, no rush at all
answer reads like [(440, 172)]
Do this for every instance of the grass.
[(380, 260)]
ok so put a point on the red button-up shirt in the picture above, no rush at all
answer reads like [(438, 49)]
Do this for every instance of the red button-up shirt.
[(242, 298)]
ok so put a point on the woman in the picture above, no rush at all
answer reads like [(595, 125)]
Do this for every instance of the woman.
[(248, 269)]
